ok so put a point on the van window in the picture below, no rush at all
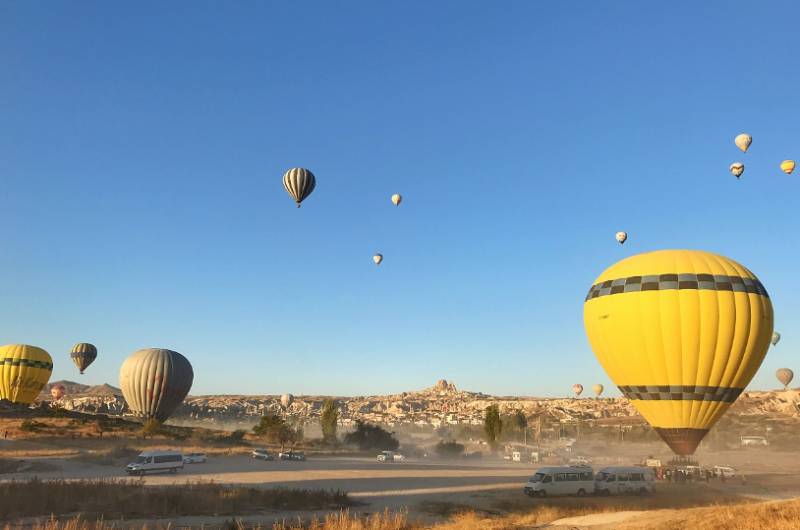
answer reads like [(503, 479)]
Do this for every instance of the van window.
[(637, 476), (572, 477), (547, 479), (586, 475), (160, 459), (561, 477), (537, 477), (622, 477)]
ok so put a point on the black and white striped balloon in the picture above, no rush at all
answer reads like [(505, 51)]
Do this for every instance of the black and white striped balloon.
[(299, 183)]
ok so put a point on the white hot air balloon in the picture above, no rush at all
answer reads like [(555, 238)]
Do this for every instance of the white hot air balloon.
[(397, 199), (621, 237), (776, 338), (743, 141), (737, 168), (377, 258)]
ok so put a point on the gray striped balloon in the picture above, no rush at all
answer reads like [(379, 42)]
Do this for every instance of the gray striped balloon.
[(155, 381), (299, 183)]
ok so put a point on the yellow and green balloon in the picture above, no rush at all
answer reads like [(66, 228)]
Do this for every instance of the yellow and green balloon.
[(24, 372)]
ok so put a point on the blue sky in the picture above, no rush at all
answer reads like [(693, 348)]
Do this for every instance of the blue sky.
[(142, 147)]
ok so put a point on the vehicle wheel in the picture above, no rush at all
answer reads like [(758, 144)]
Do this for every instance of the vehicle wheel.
[(581, 492), (642, 491), (542, 493)]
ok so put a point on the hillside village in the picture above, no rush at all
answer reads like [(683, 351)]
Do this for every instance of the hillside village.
[(442, 404)]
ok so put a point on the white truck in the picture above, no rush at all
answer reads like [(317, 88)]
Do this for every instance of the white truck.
[(155, 461), (561, 480)]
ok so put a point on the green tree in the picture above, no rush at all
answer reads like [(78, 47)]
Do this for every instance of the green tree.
[(450, 449), (520, 421), (151, 427), (274, 429), (368, 437), (329, 419), (492, 425)]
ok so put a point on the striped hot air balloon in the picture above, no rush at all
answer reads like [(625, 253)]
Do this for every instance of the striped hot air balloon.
[(299, 183), (24, 371), (155, 381), (681, 333), (83, 354), (578, 389)]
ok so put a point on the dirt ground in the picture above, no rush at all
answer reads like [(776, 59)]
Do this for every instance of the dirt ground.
[(431, 490)]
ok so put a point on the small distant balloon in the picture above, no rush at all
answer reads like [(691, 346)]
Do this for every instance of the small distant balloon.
[(299, 183), (377, 258), (787, 166), (397, 199), (785, 376), (737, 168), (57, 391), (597, 389), (287, 400), (621, 237), (743, 141), (577, 388), (776, 338)]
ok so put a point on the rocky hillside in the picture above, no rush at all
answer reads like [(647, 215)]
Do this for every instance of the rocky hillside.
[(441, 404)]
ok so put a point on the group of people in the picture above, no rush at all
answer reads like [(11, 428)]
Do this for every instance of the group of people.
[(680, 476)]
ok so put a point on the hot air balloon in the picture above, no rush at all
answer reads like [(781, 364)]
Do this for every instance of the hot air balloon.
[(776, 338), (785, 376), (377, 258), (57, 391), (287, 400), (681, 333), (787, 166), (397, 199), (621, 237), (83, 354), (155, 381), (743, 141), (577, 388), (24, 371), (597, 389), (299, 183), (737, 168)]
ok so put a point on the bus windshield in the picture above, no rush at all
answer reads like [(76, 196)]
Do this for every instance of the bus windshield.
[(537, 477)]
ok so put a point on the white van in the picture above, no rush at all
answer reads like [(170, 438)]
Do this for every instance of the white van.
[(170, 461), (561, 480), (623, 480)]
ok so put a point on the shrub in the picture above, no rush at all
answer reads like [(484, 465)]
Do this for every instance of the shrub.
[(368, 437), (451, 449)]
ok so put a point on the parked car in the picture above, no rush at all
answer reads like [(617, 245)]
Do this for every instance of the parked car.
[(753, 441), (292, 455), (399, 458), (724, 471), (386, 456), (560, 480), (195, 458), (262, 454), (620, 480), (154, 461)]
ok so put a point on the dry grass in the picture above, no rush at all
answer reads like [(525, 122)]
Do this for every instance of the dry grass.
[(118, 498), (783, 515), (776, 515)]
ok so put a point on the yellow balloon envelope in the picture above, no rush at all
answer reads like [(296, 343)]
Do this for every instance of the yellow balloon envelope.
[(24, 371), (787, 166), (681, 333)]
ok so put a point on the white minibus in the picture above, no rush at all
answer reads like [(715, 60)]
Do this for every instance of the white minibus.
[(623, 480), (148, 461), (561, 480)]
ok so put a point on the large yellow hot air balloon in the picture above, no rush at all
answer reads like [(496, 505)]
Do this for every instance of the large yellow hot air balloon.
[(787, 166), (24, 371), (681, 333)]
